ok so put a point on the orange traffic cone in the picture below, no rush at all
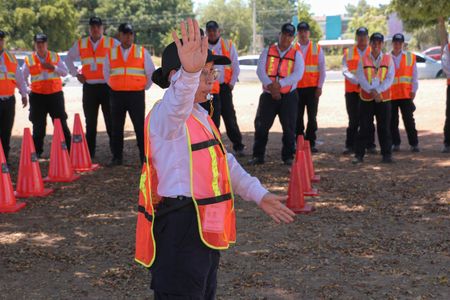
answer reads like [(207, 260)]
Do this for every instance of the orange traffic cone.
[(60, 169), (296, 199), (309, 163), (79, 151), (300, 145), (8, 202), (308, 190), (29, 182)]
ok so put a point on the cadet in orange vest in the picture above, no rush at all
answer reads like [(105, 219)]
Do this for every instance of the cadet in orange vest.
[(227, 79), (350, 62), (45, 69), (403, 92), (92, 52), (280, 67), (186, 204), (128, 71), (10, 78), (446, 68), (309, 88), (375, 74)]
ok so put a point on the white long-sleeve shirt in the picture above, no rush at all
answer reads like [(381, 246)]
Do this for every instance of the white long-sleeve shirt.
[(60, 69), (20, 82), (446, 61), (170, 147), (296, 75), (217, 48), (397, 60), (149, 67), (322, 67), (74, 54), (347, 74), (376, 84)]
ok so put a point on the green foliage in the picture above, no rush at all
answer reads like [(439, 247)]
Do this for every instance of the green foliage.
[(271, 15), (374, 18), (234, 18), (22, 19), (418, 13), (333, 62), (305, 15), (423, 38)]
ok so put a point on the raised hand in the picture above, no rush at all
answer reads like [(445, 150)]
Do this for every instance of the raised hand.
[(194, 49)]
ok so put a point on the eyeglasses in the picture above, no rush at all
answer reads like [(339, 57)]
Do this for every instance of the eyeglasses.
[(212, 74)]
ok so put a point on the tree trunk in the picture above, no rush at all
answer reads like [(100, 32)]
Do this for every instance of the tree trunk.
[(442, 31)]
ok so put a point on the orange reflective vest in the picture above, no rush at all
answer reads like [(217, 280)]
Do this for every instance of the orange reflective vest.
[(227, 69), (311, 75), (280, 67), (127, 75), (44, 81), (352, 58), (8, 74), (402, 86), (92, 61), (211, 191), (370, 72)]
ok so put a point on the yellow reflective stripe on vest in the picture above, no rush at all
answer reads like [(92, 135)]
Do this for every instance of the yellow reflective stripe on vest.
[(136, 71), (106, 41), (87, 60), (30, 60), (369, 75), (114, 53), (315, 49), (117, 71), (350, 54), (37, 78), (137, 51), (311, 68), (84, 43), (11, 76), (402, 79), (11, 57), (270, 68), (409, 59), (215, 171), (53, 57)]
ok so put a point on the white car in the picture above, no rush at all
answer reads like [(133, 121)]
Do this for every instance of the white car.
[(428, 67), (248, 65)]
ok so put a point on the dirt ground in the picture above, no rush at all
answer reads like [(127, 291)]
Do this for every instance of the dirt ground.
[(379, 231)]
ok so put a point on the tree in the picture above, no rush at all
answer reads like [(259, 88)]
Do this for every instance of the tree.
[(22, 19), (271, 15), (418, 13), (375, 19), (305, 15), (234, 18)]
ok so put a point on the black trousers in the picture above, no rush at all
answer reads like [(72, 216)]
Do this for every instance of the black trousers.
[(94, 96), (40, 106), (217, 108), (407, 108), (184, 267), (268, 109), (447, 119), (382, 112), (307, 99), (122, 102), (352, 101), (7, 113), (229, 117)]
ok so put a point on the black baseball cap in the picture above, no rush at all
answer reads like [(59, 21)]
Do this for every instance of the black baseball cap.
[(2, 34), (302, 26), (288, 28), (398, 37), (171, 61), (126, 28), (95, 21), (40, 38), (377, 37), (361, 31), (212, 25)]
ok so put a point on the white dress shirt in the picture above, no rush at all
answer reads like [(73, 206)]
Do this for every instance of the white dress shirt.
[(376, 84), (296, 75), (149, 67), (170, 147), (446, 61), (74, 55), (60, 68), (347, 74), (20, 82), (322, 67), (217, 48), (397, 60)]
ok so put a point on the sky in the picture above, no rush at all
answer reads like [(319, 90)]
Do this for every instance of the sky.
[(325, 7)]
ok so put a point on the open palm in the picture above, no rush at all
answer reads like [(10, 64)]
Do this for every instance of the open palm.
[(193, 51)]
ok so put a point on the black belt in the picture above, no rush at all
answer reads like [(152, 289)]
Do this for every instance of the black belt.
[(172, 204)]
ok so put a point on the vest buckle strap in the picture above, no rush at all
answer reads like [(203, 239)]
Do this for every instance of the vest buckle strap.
[(205, 144), (148, 216), (216, 199)]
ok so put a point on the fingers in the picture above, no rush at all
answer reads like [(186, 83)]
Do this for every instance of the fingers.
[(197, 36), (176, 39), (184, 34), (191, 30)]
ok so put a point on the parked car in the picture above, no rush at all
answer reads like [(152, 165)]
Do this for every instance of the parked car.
[(428, 67), (248, 65), (434, 52)]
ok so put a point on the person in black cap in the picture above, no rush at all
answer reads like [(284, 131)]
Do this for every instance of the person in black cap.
[(280, 67), (45, 69), (10, 78), (223, 87), (186, 209), (350, 62), (128, 71), (309, 88), (92, 52), (375, 74), (403, 92)]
